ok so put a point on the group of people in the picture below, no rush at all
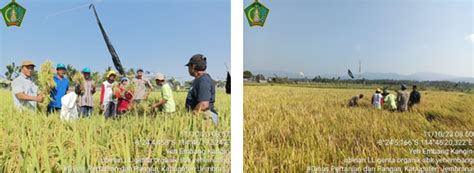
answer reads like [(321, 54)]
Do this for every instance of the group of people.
[(116, 98), (402, 102)]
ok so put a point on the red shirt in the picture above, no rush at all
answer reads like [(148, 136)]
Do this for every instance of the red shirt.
[(124, 99)]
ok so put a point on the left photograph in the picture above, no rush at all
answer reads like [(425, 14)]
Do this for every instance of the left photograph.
[(99, 85)]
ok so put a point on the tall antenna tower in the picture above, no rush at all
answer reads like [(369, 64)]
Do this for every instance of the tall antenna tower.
[(360, 69)]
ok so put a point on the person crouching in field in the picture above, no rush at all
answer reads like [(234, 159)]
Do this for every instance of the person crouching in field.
[(402, 99), (202, 95), (377, 99), (24, 90), (354, 102), (108, 103), (389, 101), (62, 86), (414, 99), (124, 96), (69, 109), (166, 104), (85, 92)]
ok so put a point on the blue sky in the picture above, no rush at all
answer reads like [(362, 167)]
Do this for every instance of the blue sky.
[(158, 35), (391, 36)]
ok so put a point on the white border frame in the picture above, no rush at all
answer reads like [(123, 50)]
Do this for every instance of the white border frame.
[(237, 119)]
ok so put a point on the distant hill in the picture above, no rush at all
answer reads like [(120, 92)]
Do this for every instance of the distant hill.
[(421, 76)]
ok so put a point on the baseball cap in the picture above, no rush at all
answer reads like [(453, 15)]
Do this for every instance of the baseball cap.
[(27, 63), (60, 66), (159, 76), (197, 59), (86, 70)]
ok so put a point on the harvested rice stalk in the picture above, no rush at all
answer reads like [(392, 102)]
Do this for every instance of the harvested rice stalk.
[(78, 78), (131, 87), (115, 90), (46, 83)]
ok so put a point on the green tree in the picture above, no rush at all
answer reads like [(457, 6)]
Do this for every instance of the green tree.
[(95, 76), (259, 77), (130, 73), (12, 71), (248, 74), (71, 71)]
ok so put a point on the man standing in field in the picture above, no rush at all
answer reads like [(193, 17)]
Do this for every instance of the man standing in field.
[(24, 90), (108, 101), (166, 104), (402, 99), (389, 101), (86, 91), (62, 86), (143, 87), (377, 99), (354, 100), (202, 94), (415, 98)]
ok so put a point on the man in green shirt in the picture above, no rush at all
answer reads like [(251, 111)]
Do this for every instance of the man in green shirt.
[(166, 104), (389, 101)]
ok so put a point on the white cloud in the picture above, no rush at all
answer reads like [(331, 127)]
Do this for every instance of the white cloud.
[(470, 38)]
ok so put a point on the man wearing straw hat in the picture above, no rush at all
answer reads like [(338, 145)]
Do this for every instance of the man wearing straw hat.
[(25, 91), (166, 104)]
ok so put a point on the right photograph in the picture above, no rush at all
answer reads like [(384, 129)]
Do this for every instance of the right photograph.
[(358, 86)]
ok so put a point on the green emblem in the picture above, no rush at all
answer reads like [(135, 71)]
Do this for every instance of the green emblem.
[(256, 14), (13, 14)]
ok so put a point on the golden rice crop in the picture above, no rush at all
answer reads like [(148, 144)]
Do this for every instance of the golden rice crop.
[(37, 143), (46, 82), (288, 129), (78, 78), (131, 87)]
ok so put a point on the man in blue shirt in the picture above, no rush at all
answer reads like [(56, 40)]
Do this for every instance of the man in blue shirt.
[(62, 86), (202, 95)]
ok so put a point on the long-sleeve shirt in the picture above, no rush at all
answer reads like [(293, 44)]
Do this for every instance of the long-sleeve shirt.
[(106, 93)]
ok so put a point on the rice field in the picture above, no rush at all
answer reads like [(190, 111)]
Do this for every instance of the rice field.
[(137, 142), (292, 129)]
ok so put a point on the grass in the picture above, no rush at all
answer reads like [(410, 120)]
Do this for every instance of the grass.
[(288, 129), (34, 142)]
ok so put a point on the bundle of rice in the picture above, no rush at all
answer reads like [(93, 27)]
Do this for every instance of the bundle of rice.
[(115, 90), (46, 83), (131, 87), (78, 78)]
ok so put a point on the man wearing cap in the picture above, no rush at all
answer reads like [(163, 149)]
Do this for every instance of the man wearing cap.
[(86, 91), (389, 100), (62, 86), (166, 104), (414, 99), (143, 87), (402, 99), (108, 101), (24, 90), (202, 94)]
